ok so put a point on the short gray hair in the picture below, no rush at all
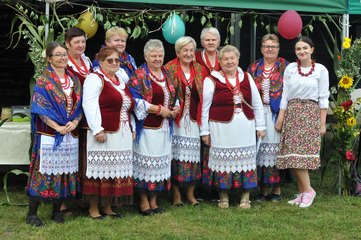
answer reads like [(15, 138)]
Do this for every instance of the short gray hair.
[(270, 36), (211, 30), (153, 45), (182, 41), (228, 48)]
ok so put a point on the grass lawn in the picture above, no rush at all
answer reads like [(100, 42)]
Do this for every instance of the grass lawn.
[(330, 217)]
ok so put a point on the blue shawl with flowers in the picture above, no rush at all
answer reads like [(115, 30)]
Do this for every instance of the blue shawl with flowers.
[(276, 82), (49, 101)]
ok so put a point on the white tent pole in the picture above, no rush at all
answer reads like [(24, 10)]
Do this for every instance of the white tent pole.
[(345, 25), (47, 20)]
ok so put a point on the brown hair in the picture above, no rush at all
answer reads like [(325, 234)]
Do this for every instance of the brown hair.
[(74, 32), (105, 52)]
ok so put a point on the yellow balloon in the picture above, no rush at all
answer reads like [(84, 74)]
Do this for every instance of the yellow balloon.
[(88, 24)]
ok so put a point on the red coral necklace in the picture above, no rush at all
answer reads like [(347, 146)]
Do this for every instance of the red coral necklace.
[(305, 74), (116, 81), (84, 72), (155, 77)]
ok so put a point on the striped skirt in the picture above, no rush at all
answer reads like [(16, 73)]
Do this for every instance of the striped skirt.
[(300, 137)]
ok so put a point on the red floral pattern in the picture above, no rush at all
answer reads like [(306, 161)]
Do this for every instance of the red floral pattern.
[(300, 137)]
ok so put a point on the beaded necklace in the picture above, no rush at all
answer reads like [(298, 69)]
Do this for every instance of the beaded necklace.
[(116, 81), (155, 77), (82, 72), (305, 74), (66, 84)]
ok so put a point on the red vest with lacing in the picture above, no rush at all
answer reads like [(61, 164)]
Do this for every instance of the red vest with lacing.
[(222, 107)]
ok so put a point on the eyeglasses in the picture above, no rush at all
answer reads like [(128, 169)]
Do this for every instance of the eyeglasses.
[(270, 47), (59, 55), (111, 60)]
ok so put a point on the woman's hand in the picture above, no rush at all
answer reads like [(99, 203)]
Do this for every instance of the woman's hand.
[(62, 130), (133, 135), (278, 125), (323, 129), (261, 134), (207, 140), (70, 126), (101, 137), (165, 112), (175, 112), (279, 122)]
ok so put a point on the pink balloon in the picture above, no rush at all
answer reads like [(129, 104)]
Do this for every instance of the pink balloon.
[(290, 24)]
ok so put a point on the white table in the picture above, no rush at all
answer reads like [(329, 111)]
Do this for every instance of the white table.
[(15, 143)]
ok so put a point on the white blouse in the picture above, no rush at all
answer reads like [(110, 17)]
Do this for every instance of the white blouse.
[(313, 87), (91, 91), (208, 91)]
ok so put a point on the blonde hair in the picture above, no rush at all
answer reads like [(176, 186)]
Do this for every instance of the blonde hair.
[(182, 41), (228, 48), (115, 31), (272, 37)]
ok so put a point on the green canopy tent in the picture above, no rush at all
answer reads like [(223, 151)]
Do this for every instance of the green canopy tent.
[(321, 6), (354, 7)]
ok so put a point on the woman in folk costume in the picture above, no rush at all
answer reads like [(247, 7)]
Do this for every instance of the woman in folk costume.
[(81, 66), (302, 118), (155, 93), (107, 151), (186, 165), (232, 113), (208, 57), (55, 113), (116, 37), (267, 72), (78, 64)]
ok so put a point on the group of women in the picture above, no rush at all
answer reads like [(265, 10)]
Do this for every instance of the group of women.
[(105, 129)]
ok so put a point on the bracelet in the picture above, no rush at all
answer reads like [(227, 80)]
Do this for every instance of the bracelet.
[(159, 111)]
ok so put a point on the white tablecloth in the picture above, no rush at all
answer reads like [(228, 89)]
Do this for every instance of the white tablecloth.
[(15, 143)]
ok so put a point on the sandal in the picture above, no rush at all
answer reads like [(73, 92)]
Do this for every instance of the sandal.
[(245, 204), (223, 204)]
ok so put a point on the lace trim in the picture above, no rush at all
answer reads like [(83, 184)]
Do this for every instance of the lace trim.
[(64, 160), (234, 159), (141, 108), (186, 149), (151, 168), (267, 154), (109, 164)]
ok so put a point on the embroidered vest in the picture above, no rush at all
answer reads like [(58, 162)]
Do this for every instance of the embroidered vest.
[(223, 106), (110, 104), (194, 101), (152, 120)]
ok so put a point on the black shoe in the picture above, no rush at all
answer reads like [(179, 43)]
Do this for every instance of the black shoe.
[(100, 217), (34, 220), (158, 210), (146, 212), (261, 198), (180, 204), (274, 198), (114, 215), (57, 217)]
